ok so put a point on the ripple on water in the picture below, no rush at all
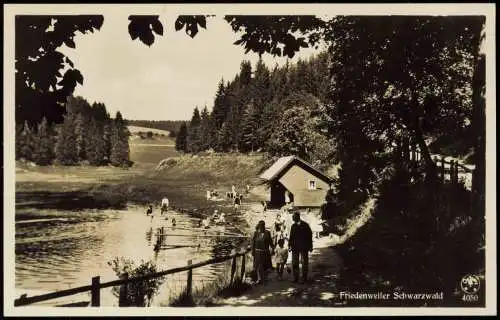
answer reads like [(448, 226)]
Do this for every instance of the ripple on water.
[(55, 255)]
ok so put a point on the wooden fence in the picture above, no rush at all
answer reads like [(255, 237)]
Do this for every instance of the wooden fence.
[(407, 151), (451, 169), (96, 286)]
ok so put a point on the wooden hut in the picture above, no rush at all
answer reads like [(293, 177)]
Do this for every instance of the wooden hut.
[(293, 178)]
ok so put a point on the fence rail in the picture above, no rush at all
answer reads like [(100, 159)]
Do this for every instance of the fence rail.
[(96, 285), (407, 151)]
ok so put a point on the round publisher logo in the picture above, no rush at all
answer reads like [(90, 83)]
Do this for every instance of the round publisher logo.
[(470, 284)]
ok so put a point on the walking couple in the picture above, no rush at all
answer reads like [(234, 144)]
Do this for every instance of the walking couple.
[(299, 243)]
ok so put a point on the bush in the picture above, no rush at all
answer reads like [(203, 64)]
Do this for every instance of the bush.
[(410, 241), (139, 294)]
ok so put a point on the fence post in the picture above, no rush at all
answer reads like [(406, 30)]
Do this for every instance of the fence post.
[(453, 167), (189, 287), (123, 299), (233, 269), (95, 292), (406, 150), (242, 273), (412, 152), (443, 171)]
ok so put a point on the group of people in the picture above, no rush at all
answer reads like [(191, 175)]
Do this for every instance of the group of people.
[(164, 206), (265, 245), (212, 194), (216, 218)]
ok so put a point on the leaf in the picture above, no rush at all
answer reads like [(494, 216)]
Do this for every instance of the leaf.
[(238, 42), (69, 43), (79, 77), (193, 30), (202, 21), (147, 38), (68, 61), (132, 30), (98, 21), (157, 27), (140, 26), (179, 23)]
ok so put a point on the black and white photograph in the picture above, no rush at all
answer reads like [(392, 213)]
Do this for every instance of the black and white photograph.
[(249, 159)]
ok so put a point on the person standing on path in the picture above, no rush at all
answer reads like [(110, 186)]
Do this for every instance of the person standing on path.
[(300, 244), (281, 258), (287, 198), (261, 250)]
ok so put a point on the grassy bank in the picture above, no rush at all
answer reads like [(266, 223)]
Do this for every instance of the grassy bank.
[(184, 179), (208, 293)]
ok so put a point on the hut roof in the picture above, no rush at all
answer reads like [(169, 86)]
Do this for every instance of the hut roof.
[(284, 163)]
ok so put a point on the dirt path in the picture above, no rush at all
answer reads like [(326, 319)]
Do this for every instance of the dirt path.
[(325, 265)]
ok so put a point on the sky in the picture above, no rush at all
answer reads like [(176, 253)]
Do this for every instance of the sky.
[(165, 81)]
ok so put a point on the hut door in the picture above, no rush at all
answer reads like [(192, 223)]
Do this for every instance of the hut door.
[(277, 195)]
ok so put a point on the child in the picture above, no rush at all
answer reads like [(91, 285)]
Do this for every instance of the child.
[(237, 202), (281, 257), (221, 219), (164, 205), (150, 210), (206, 223), (215, 216)]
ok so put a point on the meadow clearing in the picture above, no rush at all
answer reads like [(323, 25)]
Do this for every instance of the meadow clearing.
[(184, 180)]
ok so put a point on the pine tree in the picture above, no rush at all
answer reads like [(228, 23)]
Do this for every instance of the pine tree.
[(120, 152), (249, 139), (106, 137), (245, 74), (81, 133), (224, 139), (268, 120), (44, 147), (65, 149), (261, 85), (25, 143), (207, 135), (220, 107), (181, 138), (96, 148), (194, 133)]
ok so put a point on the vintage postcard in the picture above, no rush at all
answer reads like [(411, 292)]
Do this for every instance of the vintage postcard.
[(237, 159)]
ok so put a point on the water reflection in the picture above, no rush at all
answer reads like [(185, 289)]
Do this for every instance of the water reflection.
[(58, 249)]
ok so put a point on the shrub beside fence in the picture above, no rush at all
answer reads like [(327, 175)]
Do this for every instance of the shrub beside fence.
[(236, 274)]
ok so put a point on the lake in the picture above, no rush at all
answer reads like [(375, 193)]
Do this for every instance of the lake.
[(58, 249)]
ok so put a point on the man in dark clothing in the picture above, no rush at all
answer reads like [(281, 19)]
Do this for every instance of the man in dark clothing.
[(300, 243)]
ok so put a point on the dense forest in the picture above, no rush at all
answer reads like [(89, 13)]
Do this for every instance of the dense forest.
[(86, 135), (272, 110)]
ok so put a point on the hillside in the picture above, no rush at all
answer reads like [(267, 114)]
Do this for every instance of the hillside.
[(165, 125), (136, 130)]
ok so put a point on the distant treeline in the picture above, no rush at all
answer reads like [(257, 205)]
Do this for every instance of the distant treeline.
[(167, 125), (87, 135), (276, 111)]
